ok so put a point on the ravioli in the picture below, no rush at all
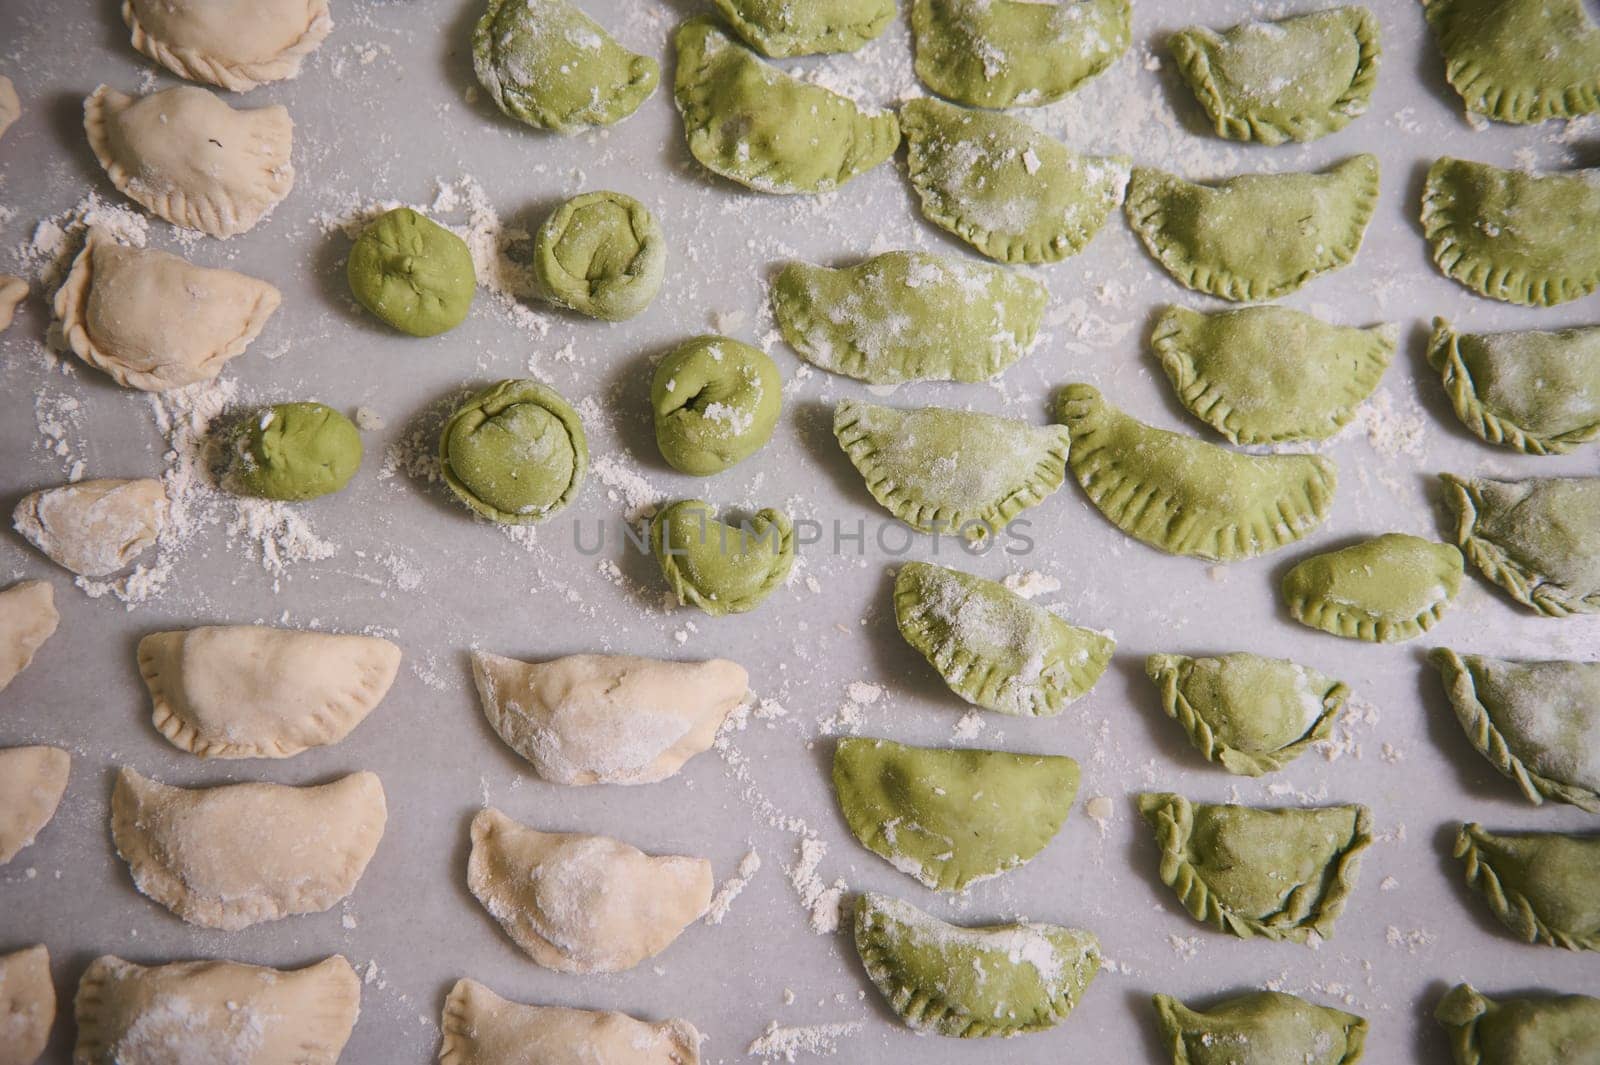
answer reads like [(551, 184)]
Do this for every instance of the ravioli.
[(1519, 60), (719, 567), (1543, 1030), (1390, 588), (1538, 538), (481, 1028), (1537, 392), (234, 44), (1260, 1028), (781, 28), (1540, 885)]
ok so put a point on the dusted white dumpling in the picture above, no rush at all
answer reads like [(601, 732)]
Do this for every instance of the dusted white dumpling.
[(27, 1005), (481, 1028), (94, 528), (237, 44), (27, 619), (32, 781)]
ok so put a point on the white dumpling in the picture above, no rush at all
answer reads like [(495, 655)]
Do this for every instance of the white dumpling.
[(189, 158), (582, 904), (32, 781), (237, 44), (154, 321), (481, 1028), (27, 1005), (13, 290), (607, 719), (94, 528), (248, 691), (27, 619), (10, 104)]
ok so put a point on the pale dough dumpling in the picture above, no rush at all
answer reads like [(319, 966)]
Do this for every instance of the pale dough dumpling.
[(94, 528), (607, 719), (237, 855), (27, 1005), (13, 290), (582, 904), (215, 1012), (154, 321), (237, 44), (481, 1028), (10, 105), (189, 158), (27, 619), (248, 691), (32, 781)]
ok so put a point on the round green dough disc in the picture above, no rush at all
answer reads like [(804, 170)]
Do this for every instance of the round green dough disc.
[(413, 273), (297, 451), (716, 402), (601, 254), (514, 453)]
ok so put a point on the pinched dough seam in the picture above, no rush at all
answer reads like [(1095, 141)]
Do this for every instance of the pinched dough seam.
[(1245, 763), (1444, 352), (1511, 907), (1337, 620), (196, 65), (780, 44), (1495, 561), (1485, 93)]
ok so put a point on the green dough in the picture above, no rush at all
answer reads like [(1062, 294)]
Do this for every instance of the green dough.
[(601, 254), (716, 402), (413, 273), (1540, 885), (1260, 1028), (1254, 715), (999, 980), (1387, 589), (909, 316), (548, 64), (782, 28), (754, 124), (951, 818), (1534, 391), (721, 568), (1538, 538), (1519, 60), (297, 451), (1549, 1030), (515, 452), (993, 647), (1278, 873), (1295, 78)]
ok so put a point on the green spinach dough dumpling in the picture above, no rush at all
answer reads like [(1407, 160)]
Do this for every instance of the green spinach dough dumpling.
[(716, 402), (515, 453), (601, 254), (413, 273), (1260, 1028), (296, 451), (1520, 60)]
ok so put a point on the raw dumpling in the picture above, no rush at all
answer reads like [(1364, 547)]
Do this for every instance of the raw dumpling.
[(27, 1005), (94, 528), (233, 856), (782, 28), (1546, 1030), (154, 321), (1387, 589), (1519, 60), (13, 290), (719, 567), (515, 452), (215, 1012), (1260, 1028), (1538, 538), (582, 904), (607, 719), (1540, 885), (237, 44), (10, 104), (189, 158), (1537, 392), (481, 1028), (27, 619), (32, 781), (247, 691)]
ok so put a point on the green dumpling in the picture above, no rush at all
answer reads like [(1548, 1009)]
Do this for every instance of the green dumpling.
[(1260, 1028), (1548, 1030), (601, 254), (716, 402), (1520, 60), (1537, 538), (1390, 588), (1540, 885), (413, 273), (515, 452), (721, 568), (782, 28), (1535, 391), (297, 451)]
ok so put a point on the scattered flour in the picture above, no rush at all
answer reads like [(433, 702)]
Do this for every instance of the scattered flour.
[(731, 888), (785, 1043)]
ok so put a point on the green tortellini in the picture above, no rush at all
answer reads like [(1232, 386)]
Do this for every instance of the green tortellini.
[(765, 129), (1278, 873), (1016, 53), (413, 273), (1256, 236), (1537, 392), (1552, 1030), (1260, 1028), (999, 980), (1513, 235), (1268, 374), (548, 64), (296, 451), (1390, 588), (515, 452), (1185, 496), (994, 648), (1519, 60), (716, 402), (1538, 723), (1002, 186), (721, 568), (601, 254), (782, 28), (1540, 885), (1538, 538), (951, 818), (909, 316), (1254, 715), (949, 471), (1292, 79)]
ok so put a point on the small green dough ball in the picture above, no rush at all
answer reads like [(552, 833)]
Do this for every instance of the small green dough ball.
[(716, 402), (297, 451), (514, 453), (601, 254), (413, 273)]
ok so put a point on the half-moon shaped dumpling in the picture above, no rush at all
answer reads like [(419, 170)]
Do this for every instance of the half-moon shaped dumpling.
[(248, 691), (94, 528), (1260, 1028), (1543, 1030), (1185, 496), (481, 1028), (1537, 392), (1002, 186), (1514, 235), (1387, 589), (950, 471), (27, 619), (27, 1005), (154, 321), (1540, 885), (1254, 715), (719, 567), (1256, 236), (999, 980), (607, 719), (32, 781), (582, 904), (237, 44), (233, 856), (1268, 374), (215, 1012), (780, 28), (951, 818), (766, 129), (1279, 873), (189, 158), (1537, 538), (1519, 60)]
